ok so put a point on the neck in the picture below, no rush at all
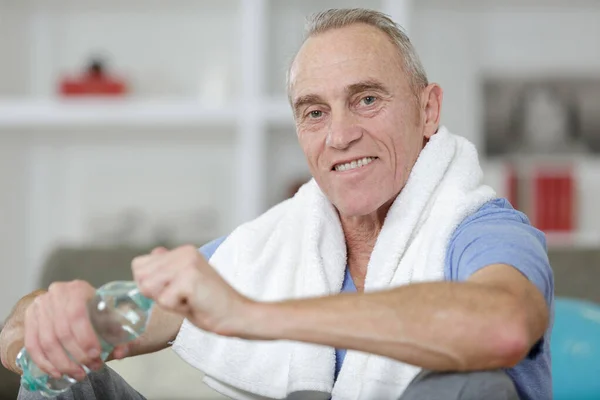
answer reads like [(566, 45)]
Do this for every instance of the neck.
[(361, 233)]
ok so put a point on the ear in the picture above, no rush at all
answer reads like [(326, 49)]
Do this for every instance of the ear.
[(431, 104)]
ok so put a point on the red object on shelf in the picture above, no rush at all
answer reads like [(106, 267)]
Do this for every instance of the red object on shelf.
[(553, 200), (90, 86), (93, 82)]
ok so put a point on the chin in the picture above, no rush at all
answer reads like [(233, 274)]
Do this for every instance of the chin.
[(357, 207)]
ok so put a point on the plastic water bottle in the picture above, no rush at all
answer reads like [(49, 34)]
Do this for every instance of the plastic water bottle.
[(118, 313)]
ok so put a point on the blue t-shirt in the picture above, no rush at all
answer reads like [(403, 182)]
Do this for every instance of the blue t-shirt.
[(495, 234)]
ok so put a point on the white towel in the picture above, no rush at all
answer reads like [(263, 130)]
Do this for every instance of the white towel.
[(297, 250)]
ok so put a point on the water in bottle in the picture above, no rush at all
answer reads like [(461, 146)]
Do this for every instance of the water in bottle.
[(118, 313)]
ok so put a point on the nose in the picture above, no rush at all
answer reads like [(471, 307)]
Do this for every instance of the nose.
[(343, 131)]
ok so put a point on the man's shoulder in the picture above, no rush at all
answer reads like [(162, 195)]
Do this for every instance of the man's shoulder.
[(497, 217), (496, 233), (498, 209)]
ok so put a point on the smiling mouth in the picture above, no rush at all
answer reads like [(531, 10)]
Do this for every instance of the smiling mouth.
[(354, 164)]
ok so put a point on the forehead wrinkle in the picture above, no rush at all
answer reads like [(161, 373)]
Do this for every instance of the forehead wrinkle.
[(317, 54), (315, 75)]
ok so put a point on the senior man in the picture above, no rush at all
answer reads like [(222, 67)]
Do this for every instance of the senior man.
[(394, 273)]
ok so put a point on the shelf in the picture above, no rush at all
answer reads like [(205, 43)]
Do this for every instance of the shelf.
[(46, 114), (121, 112)]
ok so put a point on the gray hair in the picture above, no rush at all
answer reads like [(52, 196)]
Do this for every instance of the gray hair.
[(338, 18)]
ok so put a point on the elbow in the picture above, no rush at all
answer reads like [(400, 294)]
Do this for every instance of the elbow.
[(510, 342), (512, 349)]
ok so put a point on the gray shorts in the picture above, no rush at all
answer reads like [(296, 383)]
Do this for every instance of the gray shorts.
[(489, 385)]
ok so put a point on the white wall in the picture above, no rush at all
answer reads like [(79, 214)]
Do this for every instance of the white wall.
[(543, 42), (99, 173), (287, 161), (13, 44), (447, 42), (13, 226), (460, 45), (286, 29)]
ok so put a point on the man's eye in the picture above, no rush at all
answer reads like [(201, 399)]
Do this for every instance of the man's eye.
[(315, 114), (368, 100)]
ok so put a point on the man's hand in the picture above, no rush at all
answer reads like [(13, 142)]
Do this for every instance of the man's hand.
[(183, 282), (57, 325)]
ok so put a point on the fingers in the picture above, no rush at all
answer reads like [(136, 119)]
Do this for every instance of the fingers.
[(50, 344), (153, 272), (176, 296), (159, 250), (149, 275), (32, 343), (82, 335), (67, 328), (172, 278), (58, 334)]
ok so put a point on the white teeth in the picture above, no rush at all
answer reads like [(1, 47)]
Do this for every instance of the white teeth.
[(354, 164)]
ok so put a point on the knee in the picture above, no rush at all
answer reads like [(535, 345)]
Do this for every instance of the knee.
[(489, 385), (104, 384), (27, 395), (83, 390)]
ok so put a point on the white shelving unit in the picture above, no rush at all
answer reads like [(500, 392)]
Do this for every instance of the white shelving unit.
[(251, 110), (25, 114)]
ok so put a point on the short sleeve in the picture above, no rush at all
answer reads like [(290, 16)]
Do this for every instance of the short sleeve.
[(209, 248), (498, 234)]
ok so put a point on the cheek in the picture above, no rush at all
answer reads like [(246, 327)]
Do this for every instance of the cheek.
[(311, 147), (410, 149), (403, 145)]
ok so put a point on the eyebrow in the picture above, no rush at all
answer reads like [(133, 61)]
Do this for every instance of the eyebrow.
[(350, 90), (304, 100), (366, 86)]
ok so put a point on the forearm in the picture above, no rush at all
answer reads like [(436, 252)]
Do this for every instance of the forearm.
[(438, 326), (162, 329), (12, 335)]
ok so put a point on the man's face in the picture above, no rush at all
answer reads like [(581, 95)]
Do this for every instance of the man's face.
[(357, 119)]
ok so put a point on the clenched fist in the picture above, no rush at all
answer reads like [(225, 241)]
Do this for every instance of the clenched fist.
[(182, 281)]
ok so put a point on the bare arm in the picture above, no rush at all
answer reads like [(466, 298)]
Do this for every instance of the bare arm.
[(12, 337), (489, 322), (162, 328)]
